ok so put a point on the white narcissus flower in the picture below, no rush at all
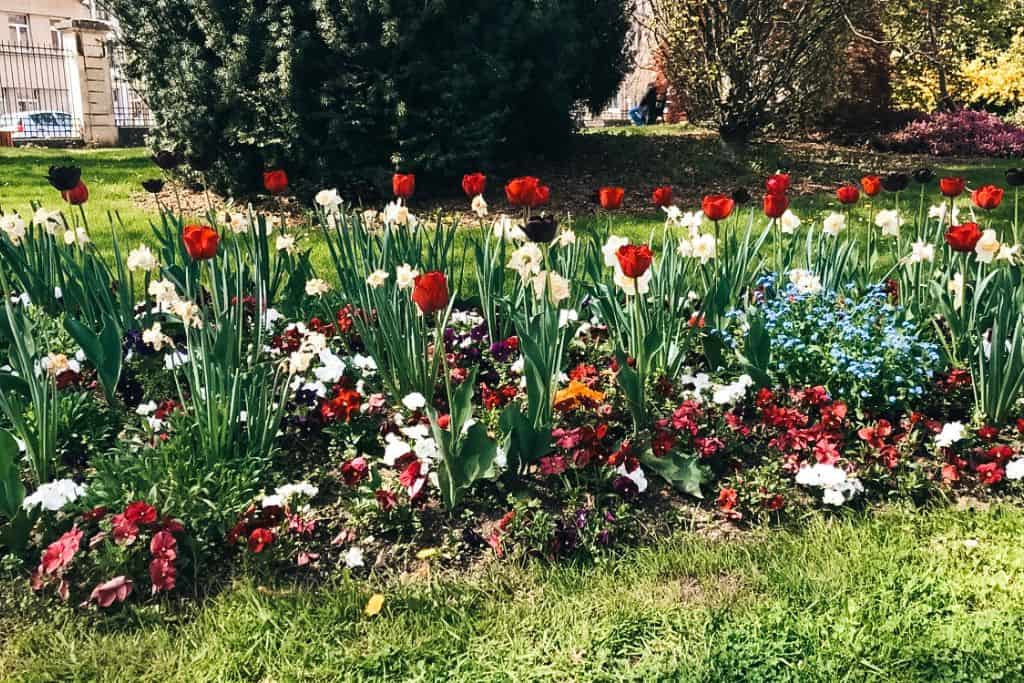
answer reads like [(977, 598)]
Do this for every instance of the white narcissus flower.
[(237, 222), (479, 206), (396, 213), (673, 214), (789, 222), (50, 221), (285, 243), (526, 260), (142, 259), (188, 311), (328, 199), (611, 249), (987, 247), (13, 225), (377, 278), (956, 288), (834, 224), (565, 238), (155, 337), (506, 229), (405, 276), (889, 221), (939, 212), (921, 251), (1008, 253), (692, 220), (566, 316), (704, 247), (77, 236), (636, 286), (163, 292), (556, 286), (950, 434), (317, 287)]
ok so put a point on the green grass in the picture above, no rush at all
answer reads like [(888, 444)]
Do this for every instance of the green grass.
[(899, 595)]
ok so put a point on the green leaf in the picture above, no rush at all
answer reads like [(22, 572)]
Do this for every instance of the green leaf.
[(12, 491), (683, 472), (13, 384), (102, 350), (524, 444)]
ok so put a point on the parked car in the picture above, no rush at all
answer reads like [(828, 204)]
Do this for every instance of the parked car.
[(36, 125)]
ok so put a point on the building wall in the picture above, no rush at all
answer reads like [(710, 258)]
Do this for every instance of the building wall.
[(41, 15)]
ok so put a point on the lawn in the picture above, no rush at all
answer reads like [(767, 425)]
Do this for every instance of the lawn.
[(895, 595)]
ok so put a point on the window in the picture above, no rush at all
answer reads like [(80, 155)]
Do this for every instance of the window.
[(18, 25), (55, 36)]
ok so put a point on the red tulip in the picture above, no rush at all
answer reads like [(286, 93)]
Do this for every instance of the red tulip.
[(775, 205), (951, 187), (610, 197), (848, 194), (474, 184), (77, 195), (871, 184), (717, 207), (526, 191), (777, 184), (662, 196), (964, 237), (403, 185), (275, 181), (634, 259), (200, 241), (987, 197), (430, 292)]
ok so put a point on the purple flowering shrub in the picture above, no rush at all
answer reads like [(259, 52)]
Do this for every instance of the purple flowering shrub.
[(958, 133)]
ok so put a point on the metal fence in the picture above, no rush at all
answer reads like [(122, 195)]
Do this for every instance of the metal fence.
[(35, 96), (130, 109)]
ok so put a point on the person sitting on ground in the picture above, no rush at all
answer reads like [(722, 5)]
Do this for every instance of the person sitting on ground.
[(645, 112)]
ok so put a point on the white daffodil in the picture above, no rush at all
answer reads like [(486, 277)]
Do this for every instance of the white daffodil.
[(556, 286), (987, 247), (142, 259), (377, 278), (328, 199), (479, 206), (789, 222), (526, 260), (834, 224), (317, 287), (405, 276), (921, 252), (889, 221), (611, 249), (14, 227)]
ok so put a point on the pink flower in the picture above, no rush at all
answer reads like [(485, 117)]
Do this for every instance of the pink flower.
[(125, 530), (59, 553), (115, 590), (163, 546), (162, 574)]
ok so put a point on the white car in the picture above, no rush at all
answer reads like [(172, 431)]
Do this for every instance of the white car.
[(38, 125)]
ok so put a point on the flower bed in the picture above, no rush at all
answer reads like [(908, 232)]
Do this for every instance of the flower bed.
[(212, 401)]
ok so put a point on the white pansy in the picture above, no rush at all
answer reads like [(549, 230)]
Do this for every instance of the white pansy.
[(637, 475), (142, 259), (394, 448), (377, 278), (272, 502), (414, 401), (889, 221), (789, 222), (331, 367), (317, 287), (175, 359), (365, 364), (302, 488), (1015, 469), (54, 495), (611, 248), (950, 434), (479, 206), (405, 276), (354, 557), (298, 362), (987, 247), (834, 224), (727, 394), (145, 409)]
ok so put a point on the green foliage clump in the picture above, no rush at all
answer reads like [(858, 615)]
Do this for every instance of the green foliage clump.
[(341, 91)]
